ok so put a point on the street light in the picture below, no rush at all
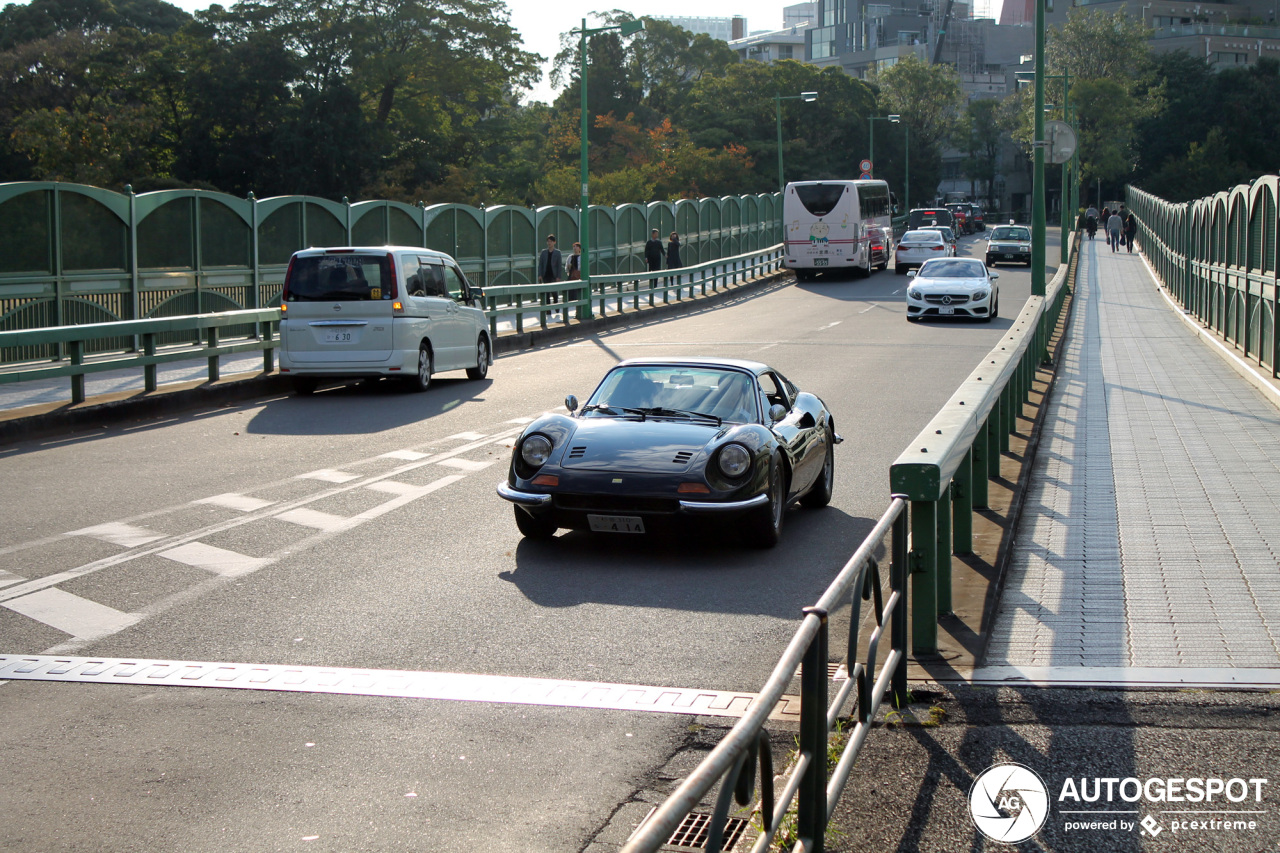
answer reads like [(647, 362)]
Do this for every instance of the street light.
[(906, 161), (626, 28), (807, 97), (892, 118)]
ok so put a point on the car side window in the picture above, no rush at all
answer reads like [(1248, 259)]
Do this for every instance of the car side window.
[(775, 391), (455, 283), (426, 280)]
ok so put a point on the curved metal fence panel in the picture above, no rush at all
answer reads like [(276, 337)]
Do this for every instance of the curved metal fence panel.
[(77, 254), (1217, 257)]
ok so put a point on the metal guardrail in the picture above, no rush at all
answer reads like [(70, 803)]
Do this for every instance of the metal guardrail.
[(944, 472), (956, 454), (583, 297), (735, 758), (148, 354), (515, 301)]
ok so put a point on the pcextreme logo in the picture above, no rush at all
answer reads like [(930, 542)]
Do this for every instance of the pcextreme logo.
[(1008, 803)]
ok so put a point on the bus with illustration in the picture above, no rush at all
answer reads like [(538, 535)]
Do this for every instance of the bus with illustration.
[(837, 225)]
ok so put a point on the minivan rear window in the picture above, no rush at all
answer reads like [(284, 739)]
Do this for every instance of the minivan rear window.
[(820, 199), (339, 278)]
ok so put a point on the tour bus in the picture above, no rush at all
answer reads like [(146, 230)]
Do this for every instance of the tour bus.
[(837, 225)]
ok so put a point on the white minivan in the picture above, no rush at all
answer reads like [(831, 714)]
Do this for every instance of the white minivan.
[(380, 311)]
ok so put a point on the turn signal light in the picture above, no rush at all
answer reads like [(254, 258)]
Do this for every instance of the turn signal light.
[(397, 307), (693, 489), (546, 480)]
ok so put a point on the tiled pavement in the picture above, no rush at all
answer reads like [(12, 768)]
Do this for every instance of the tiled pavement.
[(1150, 538)]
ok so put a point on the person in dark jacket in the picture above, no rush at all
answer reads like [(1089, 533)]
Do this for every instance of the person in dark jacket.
[(550, 266), (1130, 230), (653, 251), (673, 252)]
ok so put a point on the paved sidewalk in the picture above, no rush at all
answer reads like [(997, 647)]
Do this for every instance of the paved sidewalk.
[(1148, 551)]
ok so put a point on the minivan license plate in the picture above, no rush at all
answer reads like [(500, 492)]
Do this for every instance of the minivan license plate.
[(616, 523), (339, 337)]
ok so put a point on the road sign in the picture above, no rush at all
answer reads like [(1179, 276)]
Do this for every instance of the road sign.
[(1061, 139), (865, 176), (865, 166)]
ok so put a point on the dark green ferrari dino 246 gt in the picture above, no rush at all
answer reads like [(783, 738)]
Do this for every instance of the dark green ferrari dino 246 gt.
[(668, 442)]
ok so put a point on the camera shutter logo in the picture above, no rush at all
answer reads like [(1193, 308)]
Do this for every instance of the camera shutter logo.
[(1008, 803)]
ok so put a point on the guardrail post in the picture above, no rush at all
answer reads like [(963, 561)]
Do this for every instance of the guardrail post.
[(1007, 417), (811, 809), (898, 570), (76, 351), (266, 333), (212, 340), (962, 504), (978, 467), (924, 576), (149, 373), (993, 442), (944, 551)]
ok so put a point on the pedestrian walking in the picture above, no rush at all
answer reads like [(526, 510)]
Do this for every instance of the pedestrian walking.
[(1114, 227), (573, 272), (550, 266), (653, 251), (1130, 231), (1091, 220), (673, 252)]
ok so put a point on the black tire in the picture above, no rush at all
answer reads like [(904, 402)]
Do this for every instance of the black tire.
[(481, 370), (990, 263), (533, 527), (995, 308), (421, 380), (764, 527), (820, 494), (304, 386)]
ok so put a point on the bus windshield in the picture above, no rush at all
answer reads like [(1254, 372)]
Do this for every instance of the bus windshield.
[(820, 199)]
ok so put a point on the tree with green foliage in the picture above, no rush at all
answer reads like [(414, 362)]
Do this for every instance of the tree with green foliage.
[(980, 136), (930, 101)]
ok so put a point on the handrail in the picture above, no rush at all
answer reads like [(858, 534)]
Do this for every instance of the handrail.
[(747, 742)]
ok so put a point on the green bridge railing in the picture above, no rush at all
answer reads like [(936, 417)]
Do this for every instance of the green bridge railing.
[(76, 254), (1217, 257)]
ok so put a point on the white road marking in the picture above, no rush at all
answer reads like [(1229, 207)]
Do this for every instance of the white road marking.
[(71, 614), (466, 436), (220, 561), (315, 519), (231, 500), (462, 687), (868, 308), (124, 535), (406, 455), (7, 578), (1121, 676), (328, 476), (829, 325), (466, 464), (392, 487)]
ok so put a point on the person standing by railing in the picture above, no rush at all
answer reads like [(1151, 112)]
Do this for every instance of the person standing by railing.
[(1130, 231), (550, 266), (673, 254)]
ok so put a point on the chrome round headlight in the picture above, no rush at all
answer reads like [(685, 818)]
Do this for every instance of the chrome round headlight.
[(536, 450), (734, 460)]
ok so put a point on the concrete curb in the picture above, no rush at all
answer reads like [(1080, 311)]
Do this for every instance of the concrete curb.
[(51, 419)]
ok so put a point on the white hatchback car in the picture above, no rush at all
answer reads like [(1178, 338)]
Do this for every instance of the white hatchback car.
[(393, 311), (953, 287), (916, 247)]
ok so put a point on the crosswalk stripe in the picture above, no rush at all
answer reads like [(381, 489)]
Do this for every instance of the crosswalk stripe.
[(71, 614), (406, 455), (328, 476), (231, 500), (124, 535), (315, 519), (220, 561), (466, 464)]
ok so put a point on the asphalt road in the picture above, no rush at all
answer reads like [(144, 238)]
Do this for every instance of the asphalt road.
[(430, 576)]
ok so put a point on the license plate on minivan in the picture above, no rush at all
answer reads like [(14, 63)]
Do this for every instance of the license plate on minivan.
[(616, 523), (340, 337)]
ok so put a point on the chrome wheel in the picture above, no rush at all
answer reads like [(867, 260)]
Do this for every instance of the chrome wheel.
[(481, 370)]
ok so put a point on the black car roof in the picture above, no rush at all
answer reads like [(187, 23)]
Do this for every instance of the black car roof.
[(755, 367)]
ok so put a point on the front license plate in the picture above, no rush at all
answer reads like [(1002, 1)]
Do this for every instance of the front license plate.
[(616, 523), (947, 310), (819, 262), (1008, 256)]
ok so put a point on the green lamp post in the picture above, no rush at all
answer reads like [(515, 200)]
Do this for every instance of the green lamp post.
[(626, 28), (777, 103)]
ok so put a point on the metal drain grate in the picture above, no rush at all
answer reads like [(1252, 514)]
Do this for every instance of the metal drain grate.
[(692, 832)]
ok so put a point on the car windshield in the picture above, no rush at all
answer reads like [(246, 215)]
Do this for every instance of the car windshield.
[(338, 278), (922, 237), (1008, 233), (676, 391), (952, 268)]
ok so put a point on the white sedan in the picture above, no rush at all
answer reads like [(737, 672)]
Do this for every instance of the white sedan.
[(953, 287), (916, 247)]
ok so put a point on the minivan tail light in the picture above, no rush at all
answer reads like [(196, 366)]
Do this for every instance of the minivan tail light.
[(397, 307), (288, 277), (395, 281)]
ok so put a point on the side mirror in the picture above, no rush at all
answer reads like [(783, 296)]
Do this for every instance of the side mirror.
[(777, 412), (912, 273), (995, 274), (571, 403)]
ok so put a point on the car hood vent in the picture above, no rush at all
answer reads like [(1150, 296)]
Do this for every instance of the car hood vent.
[(652, 446), (683, 457), (577, 451)]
